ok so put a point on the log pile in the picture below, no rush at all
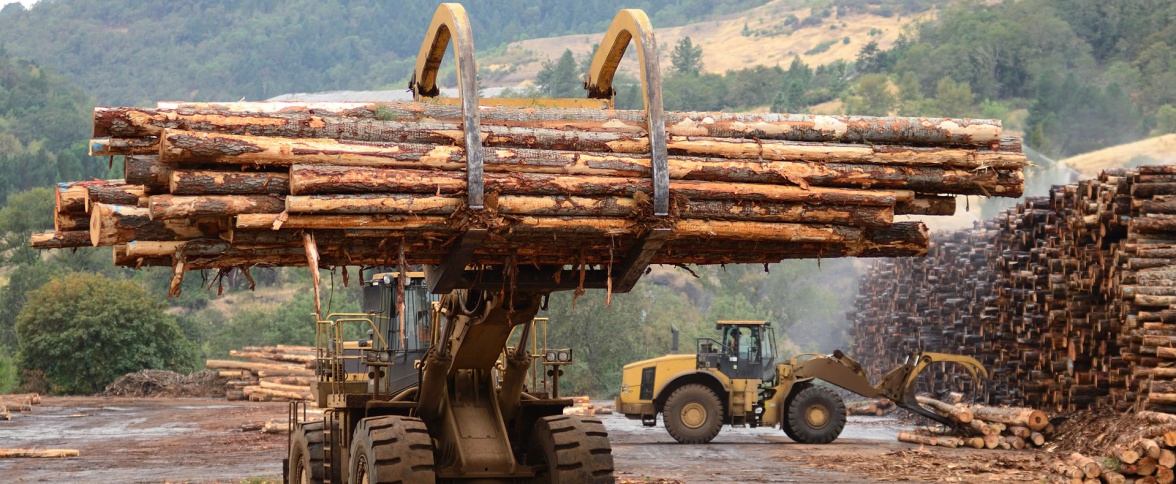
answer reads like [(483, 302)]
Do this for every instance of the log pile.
[(1146, 455), (233, 185), (17, 402), (1067, 299), (269, 373), (983, 427), (582, 405)]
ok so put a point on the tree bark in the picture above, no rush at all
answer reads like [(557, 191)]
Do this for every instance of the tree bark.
[(292, 120), (228, 182), (113, 194), (60, 240), (146, 170), (119, 224)]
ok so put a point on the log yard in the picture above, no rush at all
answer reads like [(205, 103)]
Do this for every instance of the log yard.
[(523, 287)]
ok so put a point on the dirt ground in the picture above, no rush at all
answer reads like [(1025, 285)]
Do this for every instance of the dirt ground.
[(200, 440)]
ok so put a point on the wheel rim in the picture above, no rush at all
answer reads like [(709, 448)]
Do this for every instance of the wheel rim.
[(816, 416), (362, 478), (693, 415)]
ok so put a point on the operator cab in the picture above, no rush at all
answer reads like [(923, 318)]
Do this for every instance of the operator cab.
[(746, 349), (408, 337)]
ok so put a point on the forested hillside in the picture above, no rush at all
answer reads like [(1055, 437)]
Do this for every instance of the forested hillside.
[(139, 52), (1074, 75)]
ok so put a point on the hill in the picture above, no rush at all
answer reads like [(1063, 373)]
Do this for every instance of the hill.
[(772, 34), (133, 52), (1151, 151)]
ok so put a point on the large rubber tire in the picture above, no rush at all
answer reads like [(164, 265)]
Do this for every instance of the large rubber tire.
[(305, 465), (816, 415), (570, 449), (693, 414), (386, 450), (787, 427)]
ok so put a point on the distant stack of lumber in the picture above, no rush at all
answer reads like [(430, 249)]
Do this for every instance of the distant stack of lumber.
[(219, 186), (1070, 299), (1146, 455), (17, 402), (268, 373), (983, 427), (582, 405)]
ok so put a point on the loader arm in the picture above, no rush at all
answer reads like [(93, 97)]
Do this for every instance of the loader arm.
[(897, 385)]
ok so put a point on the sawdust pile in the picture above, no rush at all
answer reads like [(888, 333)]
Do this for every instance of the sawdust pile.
[(166, 384)]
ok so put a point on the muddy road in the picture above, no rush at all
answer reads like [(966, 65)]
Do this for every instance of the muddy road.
[(200, 440)]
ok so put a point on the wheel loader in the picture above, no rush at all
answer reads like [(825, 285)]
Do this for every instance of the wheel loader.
[(736, 381), (433, 393)]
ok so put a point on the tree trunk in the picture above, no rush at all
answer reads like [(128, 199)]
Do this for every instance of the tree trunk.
[(228, 182), (1025, 417), (291, 120), (165, 207), (119, 224), (61, 240)]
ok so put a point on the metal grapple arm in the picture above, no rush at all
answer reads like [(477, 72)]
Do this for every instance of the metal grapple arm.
[(897, 385)]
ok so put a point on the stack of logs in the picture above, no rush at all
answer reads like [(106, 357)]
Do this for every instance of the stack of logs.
[(983, 427), (233, 185), (1067, 299), (18, 402), (272, 373), (1146, 456)]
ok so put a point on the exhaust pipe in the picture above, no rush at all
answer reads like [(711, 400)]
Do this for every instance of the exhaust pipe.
[(673, 340)]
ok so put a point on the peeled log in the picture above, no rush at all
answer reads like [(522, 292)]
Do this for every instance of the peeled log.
[(300, 119), (1026, 417), (20, 453), (119, 224), (164, 207), (60, 240), (329, 179)]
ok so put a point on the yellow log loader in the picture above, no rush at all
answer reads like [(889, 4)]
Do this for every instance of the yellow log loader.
[(735, 380)]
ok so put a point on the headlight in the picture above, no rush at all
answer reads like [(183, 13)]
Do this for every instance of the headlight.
[(565, 355), (551, 355)]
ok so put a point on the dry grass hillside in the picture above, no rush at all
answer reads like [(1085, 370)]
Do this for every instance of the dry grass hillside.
[(1150, 151), (760, 36)]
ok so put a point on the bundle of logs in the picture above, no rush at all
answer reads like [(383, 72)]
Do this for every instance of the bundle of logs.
[(983, 427), (234, 185), (1147, 455), (17, 402), (271, 373), (1068, 299)]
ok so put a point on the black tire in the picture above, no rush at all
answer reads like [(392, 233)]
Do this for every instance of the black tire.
[(693, 414), (386, 450), (816, 415), (787, 427), (570, 449), (306, 454)]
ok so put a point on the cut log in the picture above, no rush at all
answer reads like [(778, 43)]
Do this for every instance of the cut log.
[(292, 120), (166, 207), (1025, 417), (1090, 468), (119, 224), (113, 194), (937, 440), (227, 182), (61, 240), (147, 171), (19, 453), (957, 414)]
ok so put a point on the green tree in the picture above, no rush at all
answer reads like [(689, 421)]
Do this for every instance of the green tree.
[(24, 213), (872, 96), (1166, 119), (686, 57), (85, 330), (953, 99), (560, 78)]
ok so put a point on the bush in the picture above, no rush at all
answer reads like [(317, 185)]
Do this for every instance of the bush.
[(8, 381), (84, 330)]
